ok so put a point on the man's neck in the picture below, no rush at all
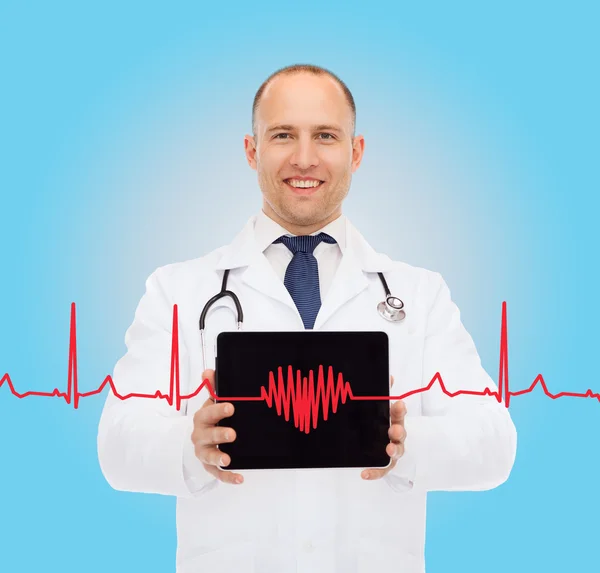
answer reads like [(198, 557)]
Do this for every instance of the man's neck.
[(300, 229)]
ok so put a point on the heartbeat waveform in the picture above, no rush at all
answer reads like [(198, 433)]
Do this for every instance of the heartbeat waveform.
[(304, 400)]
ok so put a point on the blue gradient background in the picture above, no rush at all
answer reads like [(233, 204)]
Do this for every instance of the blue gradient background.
[(121, 150)]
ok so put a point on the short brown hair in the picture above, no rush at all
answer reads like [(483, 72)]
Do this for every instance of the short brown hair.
[(311, 69)]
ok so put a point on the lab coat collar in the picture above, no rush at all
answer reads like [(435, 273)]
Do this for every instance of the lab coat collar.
[(358, 258), (244, 250), (266, 231)]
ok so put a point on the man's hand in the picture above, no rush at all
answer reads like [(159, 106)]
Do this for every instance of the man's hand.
[(397, 434), (207, 435)]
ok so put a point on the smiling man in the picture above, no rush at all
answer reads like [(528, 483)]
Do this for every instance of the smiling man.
[(304, 148), (300, 264)]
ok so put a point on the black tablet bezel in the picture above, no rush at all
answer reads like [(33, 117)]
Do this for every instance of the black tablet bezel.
[(357, 436)]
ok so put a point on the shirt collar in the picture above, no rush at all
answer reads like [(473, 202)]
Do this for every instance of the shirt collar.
[(244, 249), (266, 231)]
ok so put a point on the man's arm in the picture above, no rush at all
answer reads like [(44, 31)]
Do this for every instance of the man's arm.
[(460, 443), (144, 445)]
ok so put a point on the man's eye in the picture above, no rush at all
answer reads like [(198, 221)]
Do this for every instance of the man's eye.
[(329, 136), (278, 136)]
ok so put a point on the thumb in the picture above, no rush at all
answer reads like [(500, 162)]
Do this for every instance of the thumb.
[(391, 381), (209, 375)]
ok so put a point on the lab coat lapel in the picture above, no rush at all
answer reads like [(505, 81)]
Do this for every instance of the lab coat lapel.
[(348, 281), (350, 278), (259, 274)]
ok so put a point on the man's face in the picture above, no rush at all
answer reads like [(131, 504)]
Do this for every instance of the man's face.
[(303, 149)]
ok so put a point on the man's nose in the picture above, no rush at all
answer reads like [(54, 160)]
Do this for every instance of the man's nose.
[(305, 154)]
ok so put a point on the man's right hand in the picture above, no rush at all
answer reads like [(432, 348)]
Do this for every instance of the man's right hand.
[(207, 435)]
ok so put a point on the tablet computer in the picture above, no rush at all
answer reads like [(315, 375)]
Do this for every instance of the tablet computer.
[(305, 399)]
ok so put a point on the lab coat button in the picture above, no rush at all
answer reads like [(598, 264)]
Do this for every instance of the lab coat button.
[(308, 546)]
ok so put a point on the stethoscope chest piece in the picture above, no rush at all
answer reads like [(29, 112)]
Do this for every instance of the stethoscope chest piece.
[(391, 309)]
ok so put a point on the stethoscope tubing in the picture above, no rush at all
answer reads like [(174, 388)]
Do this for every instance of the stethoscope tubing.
[(390, 308)]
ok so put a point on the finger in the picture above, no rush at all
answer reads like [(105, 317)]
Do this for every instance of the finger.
[(395, 451), (225, 477), (398, 412), (210, 414), (397, 433), (212, 435), (212, 456), (377, 473), (372, 474), (391, 381), (209, 375), (199, 425), (218, 458)]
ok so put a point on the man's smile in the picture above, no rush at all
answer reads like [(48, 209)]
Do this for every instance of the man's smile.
[(303, 186)]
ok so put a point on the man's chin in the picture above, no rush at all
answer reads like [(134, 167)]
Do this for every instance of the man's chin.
[(299, 215)]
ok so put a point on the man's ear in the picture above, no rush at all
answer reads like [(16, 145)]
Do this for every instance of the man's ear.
[(250, 150), (358, 149)]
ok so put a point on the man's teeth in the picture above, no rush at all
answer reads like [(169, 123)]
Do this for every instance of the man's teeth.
[(303, 184)]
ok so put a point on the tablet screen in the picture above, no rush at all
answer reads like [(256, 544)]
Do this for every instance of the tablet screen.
[(297, 398)]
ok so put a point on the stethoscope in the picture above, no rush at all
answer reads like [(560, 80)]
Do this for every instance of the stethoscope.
[(391, 308)]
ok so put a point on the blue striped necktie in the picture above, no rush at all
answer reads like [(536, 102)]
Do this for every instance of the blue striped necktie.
[(302, 274)]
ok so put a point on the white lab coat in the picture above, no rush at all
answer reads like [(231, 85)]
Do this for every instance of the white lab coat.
[(309, 521)]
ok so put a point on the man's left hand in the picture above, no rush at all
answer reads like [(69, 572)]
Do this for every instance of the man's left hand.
[(397, 434)]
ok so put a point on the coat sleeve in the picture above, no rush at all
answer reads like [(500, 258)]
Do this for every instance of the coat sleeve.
[(458, 443), (144, 444)]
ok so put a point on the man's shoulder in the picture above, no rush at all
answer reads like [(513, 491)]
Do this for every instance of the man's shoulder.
[(183, 271), (424, 283), (394, 269), (414, 273)]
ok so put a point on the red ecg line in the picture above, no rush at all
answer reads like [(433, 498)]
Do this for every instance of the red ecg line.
[(304, 398), (73, 395)]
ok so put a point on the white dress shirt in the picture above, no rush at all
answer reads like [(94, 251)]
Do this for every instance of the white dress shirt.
[(328, 255)]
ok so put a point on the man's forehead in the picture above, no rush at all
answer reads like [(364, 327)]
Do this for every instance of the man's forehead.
[(290, 80), (303, 101), (303, 86)]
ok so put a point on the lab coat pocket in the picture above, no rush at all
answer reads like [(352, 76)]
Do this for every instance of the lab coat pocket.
[(375, 555)]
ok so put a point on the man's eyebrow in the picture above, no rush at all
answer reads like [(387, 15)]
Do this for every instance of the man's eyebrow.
[(327, 128), (322, 127), (281, 127)]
